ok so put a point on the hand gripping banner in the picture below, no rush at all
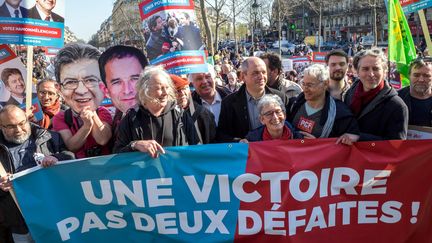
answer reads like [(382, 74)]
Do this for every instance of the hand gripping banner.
[(279, 191)]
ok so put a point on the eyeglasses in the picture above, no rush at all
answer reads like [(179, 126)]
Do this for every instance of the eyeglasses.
[(269, 114), (12, 126), (309, 85), (47, 93), (71, 84)]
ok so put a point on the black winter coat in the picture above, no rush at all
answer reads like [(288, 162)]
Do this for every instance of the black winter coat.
[(344, 120), (47, 143), (384, 118), (234, 116), (139, 124), (406, 97), (206, 123)]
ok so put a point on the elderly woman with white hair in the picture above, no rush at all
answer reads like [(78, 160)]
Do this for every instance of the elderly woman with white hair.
[(272, 115), (156, 122), (316, 114)]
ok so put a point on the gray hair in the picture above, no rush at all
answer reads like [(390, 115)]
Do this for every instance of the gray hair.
[(318, 71), (269, 99), (73, 52), (234, 74), (211, 70), (374, 52), (145, 81)]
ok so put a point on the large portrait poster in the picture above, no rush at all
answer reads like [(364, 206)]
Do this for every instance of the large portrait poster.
[(174, 39), (12, 82), (31, 22)]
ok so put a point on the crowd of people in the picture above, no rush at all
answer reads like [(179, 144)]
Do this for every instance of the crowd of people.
[(251, 100)]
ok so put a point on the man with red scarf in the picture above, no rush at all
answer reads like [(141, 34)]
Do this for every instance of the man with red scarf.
[(49, 99), (380, 112)]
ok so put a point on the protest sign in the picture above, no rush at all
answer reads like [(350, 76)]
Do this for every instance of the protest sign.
[(419, 132), (411, 6), (28, 25), (174, 39), (318, 57), (277, 191), (12, 85), (287, 65)]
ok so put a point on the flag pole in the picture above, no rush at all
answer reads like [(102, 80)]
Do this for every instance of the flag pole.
[(425, 30), (29, 81)]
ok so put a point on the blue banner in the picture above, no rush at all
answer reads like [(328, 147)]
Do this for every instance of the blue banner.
[(276, 191), (137, 198)]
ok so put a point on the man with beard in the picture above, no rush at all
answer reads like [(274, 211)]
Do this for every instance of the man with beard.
[(22, 146), (418, 96), (203, 119), (337, 61)]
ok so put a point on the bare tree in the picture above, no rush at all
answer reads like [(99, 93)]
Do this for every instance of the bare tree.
[(282, 10), (374, 5), (237, 8), (209, 34), (317, 6), (218, 7)]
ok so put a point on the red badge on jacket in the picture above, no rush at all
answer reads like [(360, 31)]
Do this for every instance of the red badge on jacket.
[(305, 125)]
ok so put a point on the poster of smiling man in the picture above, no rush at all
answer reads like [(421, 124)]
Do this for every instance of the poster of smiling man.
[(174, 39), (32, 22), (12, 82)]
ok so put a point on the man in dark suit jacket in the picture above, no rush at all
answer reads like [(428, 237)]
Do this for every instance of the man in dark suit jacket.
[(9, 5), (239, 112), (43, 10), (207, 93)]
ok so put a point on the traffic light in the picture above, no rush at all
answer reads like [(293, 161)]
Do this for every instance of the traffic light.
[(293, 26)]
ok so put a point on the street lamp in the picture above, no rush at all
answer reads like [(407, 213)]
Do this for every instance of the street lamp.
[(254, 11)]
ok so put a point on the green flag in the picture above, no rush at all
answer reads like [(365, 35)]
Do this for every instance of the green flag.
[(401, 49)]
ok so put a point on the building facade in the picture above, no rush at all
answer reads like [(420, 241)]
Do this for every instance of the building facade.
[(340, 19), (126, 23), (69, 36)]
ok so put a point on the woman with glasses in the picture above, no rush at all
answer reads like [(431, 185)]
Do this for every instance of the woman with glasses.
[(272, 115), (380, 112), (156, 122), (85, 127), (316, 114)]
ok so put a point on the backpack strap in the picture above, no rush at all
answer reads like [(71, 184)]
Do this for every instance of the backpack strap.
[(69, 118)]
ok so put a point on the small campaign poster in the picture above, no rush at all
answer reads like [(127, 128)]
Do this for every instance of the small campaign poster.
[(319, 57), (173, 36), (300, 63), (32, 22), (12, 84), (411, 6)]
